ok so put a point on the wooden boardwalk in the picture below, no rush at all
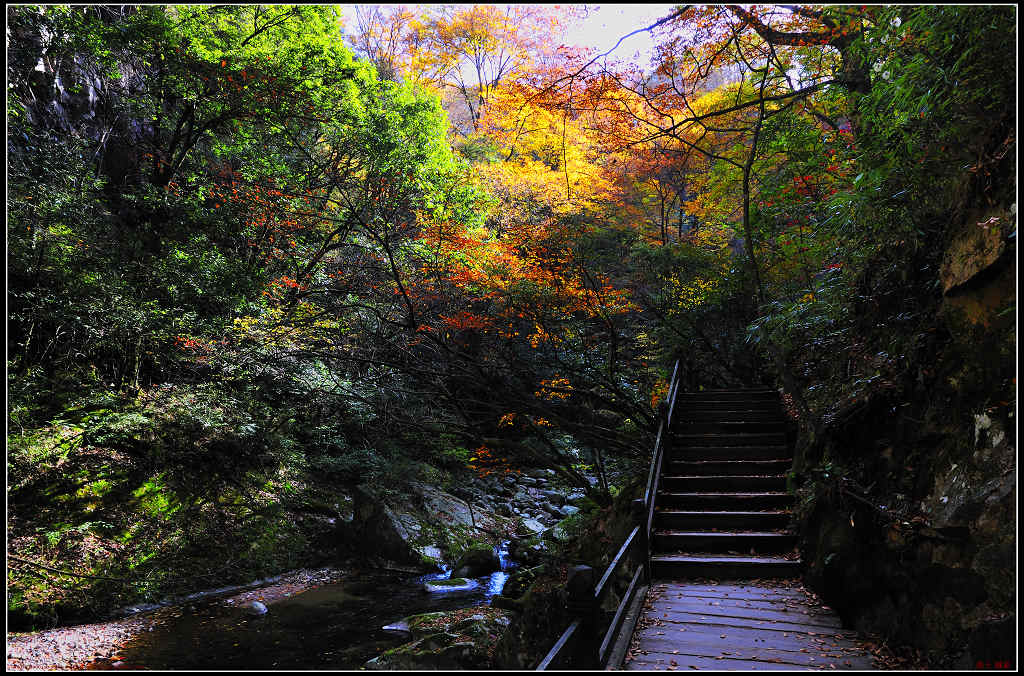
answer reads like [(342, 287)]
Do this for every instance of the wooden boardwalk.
[(748, 625), (724, 593)]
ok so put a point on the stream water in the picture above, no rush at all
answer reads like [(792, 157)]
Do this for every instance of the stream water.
[(334, 626)]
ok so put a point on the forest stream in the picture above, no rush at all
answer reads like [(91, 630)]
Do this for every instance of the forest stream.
[(333, 626)]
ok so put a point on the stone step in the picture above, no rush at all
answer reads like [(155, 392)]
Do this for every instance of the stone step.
[(719, 501), (684, 417), (721, 566), (727, 395), (727, 467), (689, 427), (735, 542), (675, 453), (684, 440), (760, 405), (665, 519), (722, 483)]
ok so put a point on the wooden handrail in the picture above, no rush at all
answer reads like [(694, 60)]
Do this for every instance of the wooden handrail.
[(577, 646), (648, 492), (556, 657), (619, 557), (620, 615)]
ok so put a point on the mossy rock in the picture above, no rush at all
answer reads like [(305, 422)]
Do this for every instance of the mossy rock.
[(452, 584), (453, 640), (478, 560), (520, 581)]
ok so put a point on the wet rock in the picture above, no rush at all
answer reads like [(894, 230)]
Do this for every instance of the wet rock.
[(256, 608), (454, 584), (477, 561), (528, 551), (533, 525), (554, 497), (575, 496), (569, 510), (400, 628), (520, 581), (446, 641)]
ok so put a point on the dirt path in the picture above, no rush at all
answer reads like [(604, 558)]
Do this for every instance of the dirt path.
[(98, 645)]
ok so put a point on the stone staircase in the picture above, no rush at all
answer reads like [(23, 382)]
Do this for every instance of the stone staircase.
[(722, 506)]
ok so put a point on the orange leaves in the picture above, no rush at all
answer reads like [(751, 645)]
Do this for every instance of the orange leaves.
[(658, 392), (485, 462), (466, 320), (557, 388)]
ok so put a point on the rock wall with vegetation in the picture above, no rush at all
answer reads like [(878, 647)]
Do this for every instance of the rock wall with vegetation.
[(907, 462)]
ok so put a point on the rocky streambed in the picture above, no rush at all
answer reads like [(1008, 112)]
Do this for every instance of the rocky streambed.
[(350, 619)]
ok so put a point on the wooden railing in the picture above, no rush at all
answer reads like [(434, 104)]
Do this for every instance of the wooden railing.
[(587, 643)]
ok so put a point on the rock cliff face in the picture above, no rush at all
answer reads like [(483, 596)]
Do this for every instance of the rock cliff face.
[(921, 547)]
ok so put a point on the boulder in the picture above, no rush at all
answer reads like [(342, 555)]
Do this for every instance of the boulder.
[(569, 510), (528, 551), (520, 581), (391, 534), (552, 509), (554, 497), (412, 536), (456, 640), (476, 561), (533, 525), (973, 249)]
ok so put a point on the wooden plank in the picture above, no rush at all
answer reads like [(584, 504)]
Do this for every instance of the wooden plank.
[(692, 662), (785, 589), (790, 602), (752, 623), (777, 612), (654, 638), (810, 656), (712, 646)]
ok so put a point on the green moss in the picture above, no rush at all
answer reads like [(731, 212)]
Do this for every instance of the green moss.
[(450, 582)]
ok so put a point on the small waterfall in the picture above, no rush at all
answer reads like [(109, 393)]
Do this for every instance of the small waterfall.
[(492, 584), (497, 581), (502, 552)]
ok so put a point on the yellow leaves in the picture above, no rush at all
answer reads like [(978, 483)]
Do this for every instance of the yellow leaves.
[(692, 294)]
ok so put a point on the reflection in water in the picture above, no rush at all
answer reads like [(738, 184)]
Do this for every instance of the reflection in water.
[(335, 626)]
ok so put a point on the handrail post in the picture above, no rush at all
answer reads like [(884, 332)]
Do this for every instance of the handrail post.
[(582, 604)]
